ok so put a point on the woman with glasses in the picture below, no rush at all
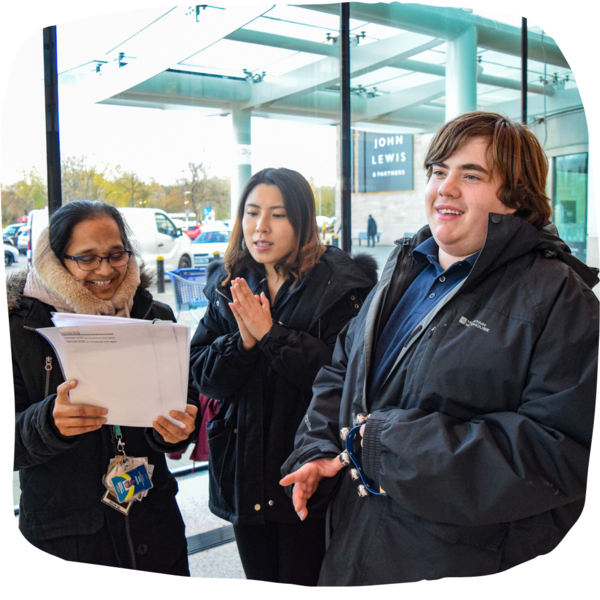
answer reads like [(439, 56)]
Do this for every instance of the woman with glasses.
[(277, 305), (84, 264)]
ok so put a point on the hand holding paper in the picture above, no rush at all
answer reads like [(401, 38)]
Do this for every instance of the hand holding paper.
[(134, 369), (74, 420), (172, 433)]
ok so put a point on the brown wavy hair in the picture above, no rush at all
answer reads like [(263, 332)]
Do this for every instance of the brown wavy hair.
[(299, 203), (513, 152)]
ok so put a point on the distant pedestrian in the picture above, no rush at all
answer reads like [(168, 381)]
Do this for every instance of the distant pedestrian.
[(371, 230)]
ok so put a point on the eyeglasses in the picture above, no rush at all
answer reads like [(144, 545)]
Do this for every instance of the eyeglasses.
[(90, 262)]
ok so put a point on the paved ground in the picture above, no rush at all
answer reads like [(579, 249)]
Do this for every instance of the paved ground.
[(221, 562)]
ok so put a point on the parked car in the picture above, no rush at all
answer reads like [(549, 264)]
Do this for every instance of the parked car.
[(11, 255), (155, 234), (9, 233), (22, 240), (37, 221), (194, 231), (209, 245)]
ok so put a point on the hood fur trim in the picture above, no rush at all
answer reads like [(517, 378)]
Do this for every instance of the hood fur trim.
[(15, 283), (50, 282), (367, 263)]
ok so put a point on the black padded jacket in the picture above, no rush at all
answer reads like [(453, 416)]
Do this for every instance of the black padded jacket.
[(61, 477), (481, 434), (247, 449)]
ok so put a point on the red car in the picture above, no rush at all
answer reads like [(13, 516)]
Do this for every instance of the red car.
[(194, 231)]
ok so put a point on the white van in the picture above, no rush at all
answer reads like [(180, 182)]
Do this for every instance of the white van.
[(153, 234)]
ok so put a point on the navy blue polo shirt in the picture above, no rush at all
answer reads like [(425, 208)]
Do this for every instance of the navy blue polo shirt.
[(428, 288)]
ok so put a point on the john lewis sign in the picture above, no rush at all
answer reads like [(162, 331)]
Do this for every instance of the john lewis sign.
[(385, 162)]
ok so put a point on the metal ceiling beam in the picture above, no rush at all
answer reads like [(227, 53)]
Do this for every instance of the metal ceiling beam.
[(325, 72), (249, 36), (391, 103), (562, 99), (448, 23), (298, 45), (179, 40), (428, 117)]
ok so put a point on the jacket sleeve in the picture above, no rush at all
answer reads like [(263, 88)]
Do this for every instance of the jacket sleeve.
[(37, 439), (318, 433), (501, 466), (220, 365), (298, 356)]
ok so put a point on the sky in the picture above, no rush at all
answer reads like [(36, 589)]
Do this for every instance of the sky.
[(569, 571)]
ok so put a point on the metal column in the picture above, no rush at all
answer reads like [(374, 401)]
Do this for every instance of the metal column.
[(524, 71), (243, 147), (52, 128), (345, 132), (461, 74)]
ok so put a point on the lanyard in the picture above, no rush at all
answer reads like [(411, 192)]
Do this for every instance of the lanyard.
[(350, 448), (120, 443)]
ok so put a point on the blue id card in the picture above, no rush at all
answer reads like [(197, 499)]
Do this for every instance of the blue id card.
[(128, 484)]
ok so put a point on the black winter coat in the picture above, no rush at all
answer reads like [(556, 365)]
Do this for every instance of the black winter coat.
[(275, 377), (61, 477), (481, 434)]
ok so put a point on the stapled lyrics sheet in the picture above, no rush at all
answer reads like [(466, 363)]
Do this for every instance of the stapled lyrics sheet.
[(136, 369)]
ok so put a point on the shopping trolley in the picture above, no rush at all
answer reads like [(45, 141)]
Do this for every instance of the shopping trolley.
[(188, 287)]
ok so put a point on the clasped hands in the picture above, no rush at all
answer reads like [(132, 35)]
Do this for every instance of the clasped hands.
[(252, 313), (75, 419)]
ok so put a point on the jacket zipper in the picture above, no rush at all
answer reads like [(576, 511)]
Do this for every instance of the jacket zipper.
[(404, 261), (130, 542), (48, 368), (231, 432)]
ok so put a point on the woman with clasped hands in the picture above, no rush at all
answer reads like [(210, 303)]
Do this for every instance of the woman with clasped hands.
[(276, 307), (84, 264)]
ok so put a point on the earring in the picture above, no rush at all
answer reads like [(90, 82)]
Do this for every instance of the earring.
[(243, 244)]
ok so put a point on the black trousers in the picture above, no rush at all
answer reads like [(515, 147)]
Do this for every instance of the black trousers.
[(281, 552)]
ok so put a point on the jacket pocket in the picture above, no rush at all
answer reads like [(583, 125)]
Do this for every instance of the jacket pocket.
[(222, 442), (486, 537)]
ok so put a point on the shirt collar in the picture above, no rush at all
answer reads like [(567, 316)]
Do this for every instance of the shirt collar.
[(428, 251)]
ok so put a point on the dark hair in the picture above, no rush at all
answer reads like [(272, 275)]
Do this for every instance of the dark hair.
[(299, 203), (514, 153), (68, 216)]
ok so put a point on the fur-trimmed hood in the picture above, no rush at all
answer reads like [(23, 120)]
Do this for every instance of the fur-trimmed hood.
[(15, 284)]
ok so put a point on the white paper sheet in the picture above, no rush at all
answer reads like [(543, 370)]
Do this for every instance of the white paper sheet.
[(135, 369)]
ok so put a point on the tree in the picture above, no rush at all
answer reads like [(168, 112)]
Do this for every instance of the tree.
[(327, 197), (24, 195), (80, 182), (130, 190)]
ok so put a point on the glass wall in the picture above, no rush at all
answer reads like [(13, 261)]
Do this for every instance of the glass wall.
[(176, 108), (414, 67), (570, 200)]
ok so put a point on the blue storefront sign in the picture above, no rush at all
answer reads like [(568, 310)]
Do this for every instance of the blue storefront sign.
[(385, 161)]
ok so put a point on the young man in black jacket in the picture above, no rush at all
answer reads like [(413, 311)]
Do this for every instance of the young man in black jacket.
[(474, 362)]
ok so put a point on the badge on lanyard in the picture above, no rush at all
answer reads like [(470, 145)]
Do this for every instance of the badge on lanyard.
[(128, 478)]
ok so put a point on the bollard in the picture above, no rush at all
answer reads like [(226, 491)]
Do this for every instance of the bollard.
[(160, 274)]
